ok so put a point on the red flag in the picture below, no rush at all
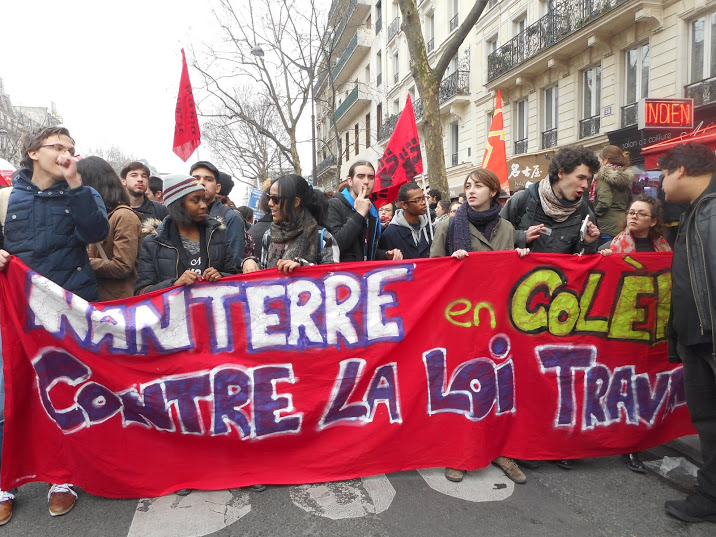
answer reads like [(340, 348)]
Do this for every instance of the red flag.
[(401, 160), (187, 136), (495, 157)]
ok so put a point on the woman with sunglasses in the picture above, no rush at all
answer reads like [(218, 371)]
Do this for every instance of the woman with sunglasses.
[(297, 236), (642, 234)]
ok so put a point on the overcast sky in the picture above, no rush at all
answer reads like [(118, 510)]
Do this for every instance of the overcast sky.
[(111, 68)]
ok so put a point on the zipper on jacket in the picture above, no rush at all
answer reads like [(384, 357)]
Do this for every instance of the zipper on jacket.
[(176, 268)]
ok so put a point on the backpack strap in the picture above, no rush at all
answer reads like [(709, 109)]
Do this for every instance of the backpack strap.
[(4, 202)]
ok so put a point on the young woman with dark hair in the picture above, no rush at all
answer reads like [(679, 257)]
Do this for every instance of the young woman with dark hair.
[(297, 235), (386, 213), (477, 227), (187, 247), (114, 260), (610, 191)]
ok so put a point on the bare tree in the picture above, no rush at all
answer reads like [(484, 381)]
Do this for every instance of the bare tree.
[(427, 80), (273, 46), (240, 147), (113, 155)]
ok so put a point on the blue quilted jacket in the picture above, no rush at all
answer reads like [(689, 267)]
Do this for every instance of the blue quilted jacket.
[(49, 231)]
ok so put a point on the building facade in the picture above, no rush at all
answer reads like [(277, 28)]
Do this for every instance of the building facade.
[(569, 71)]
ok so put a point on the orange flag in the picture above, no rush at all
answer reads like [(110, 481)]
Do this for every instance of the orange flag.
[(495, 157)]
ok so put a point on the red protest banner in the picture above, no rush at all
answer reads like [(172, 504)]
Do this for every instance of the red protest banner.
[(401, 160), (495, 156), (329, 375), (187, 135)]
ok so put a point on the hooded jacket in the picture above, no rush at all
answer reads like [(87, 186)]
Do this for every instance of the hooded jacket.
[(159, 260), (350, 230), (150, 210), (613, 198), (401, 235), (49, 231)]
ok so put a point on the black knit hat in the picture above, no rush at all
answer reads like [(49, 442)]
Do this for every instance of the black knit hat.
[(226, 183)]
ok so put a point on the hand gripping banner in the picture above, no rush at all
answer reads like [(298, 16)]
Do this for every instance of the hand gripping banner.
[(338, 371)]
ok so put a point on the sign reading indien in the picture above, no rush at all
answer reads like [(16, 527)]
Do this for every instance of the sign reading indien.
[(666, 113)]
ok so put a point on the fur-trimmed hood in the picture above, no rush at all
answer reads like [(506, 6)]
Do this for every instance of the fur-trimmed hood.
[(155, 227), (620, 178)]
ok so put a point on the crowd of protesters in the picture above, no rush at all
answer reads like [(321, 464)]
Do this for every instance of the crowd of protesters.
[(105, 236)]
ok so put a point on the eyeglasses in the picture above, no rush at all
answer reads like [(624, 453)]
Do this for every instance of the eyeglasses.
[(419, 200), (638, 214), (275, 199), (61, 148)]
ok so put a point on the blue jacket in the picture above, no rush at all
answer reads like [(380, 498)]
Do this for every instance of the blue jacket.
[(49, 231)]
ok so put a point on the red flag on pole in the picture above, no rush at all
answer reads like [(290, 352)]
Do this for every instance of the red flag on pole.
[(187, 135), (401, 160), (495, 157)]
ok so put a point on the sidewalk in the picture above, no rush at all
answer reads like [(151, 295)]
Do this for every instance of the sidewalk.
[(689, 447)]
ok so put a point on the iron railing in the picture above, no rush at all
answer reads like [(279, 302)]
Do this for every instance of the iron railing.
[(454, 159), (326, 163), (347, 103), (630, 114), (431, 44), (549, 139), (589, 126), (393, 29), (387, 128), (567, 17), (418, 109), (457, 83), (702, 92), (350, 49), (521, 146), (378, 24), (453, 22)]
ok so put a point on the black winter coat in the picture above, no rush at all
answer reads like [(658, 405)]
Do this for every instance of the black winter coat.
[(159, 261), (349, 229)]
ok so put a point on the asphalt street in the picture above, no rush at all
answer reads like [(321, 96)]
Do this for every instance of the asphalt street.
[(600, 497)]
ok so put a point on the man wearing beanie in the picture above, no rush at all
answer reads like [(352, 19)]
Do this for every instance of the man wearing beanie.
[(208, 176)]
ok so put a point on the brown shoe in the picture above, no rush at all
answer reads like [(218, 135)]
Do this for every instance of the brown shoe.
[(511, 469), (62, 499), (5, 511), (454, 475)]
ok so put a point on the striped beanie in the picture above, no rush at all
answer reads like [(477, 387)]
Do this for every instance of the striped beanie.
[(177, 186)]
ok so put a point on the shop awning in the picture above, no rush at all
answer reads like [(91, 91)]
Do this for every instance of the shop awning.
[(651, 153)]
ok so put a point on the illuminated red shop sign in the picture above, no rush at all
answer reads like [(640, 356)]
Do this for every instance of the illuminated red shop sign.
[(666, 114)]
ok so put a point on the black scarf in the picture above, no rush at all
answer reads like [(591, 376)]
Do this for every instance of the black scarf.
[(290, 240), (466, 215)]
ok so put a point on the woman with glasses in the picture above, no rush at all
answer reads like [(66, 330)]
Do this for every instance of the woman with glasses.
[(386, 213), (477, 227), (297, 236), (643, 229), (114, 260), (642, 234), (454, 206)]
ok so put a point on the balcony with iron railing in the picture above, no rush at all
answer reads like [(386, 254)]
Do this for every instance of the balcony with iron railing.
[(455, 85), (521, 146), (356, 50), (630, 114), (358, 97), (567, 17), (418, 109), (353, 14), (702, 92), (387, 128), (549, 139), (393, 29), (454, 21), (589, 126), (326, 164)]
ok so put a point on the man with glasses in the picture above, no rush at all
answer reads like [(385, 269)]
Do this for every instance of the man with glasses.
[(135, 178), (51, 219), (209, 177), (409, 230)]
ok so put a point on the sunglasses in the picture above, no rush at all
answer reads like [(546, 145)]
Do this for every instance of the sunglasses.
[(275, 199)]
